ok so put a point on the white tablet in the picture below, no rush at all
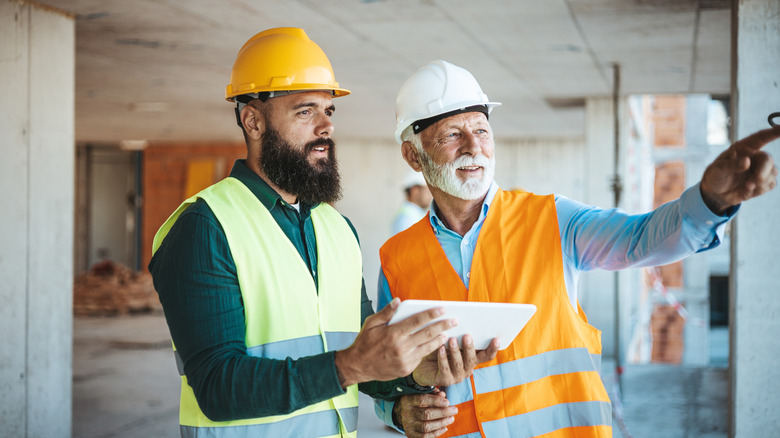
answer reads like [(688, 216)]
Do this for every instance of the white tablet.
[(483, 321)]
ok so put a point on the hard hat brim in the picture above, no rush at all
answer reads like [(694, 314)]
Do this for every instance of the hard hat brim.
[(337, 92)]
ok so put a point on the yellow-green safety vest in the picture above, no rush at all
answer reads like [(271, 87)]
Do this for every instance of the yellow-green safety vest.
[(286, 315)]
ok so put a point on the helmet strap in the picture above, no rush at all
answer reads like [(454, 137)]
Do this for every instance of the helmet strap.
[(244, 99), (238, 115)]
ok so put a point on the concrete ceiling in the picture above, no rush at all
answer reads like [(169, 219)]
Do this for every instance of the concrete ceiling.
[(157, 69)]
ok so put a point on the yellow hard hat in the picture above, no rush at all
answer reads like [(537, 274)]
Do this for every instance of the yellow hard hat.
[(281, 59)]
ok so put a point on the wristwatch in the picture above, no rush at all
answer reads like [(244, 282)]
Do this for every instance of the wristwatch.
[(417, 387)]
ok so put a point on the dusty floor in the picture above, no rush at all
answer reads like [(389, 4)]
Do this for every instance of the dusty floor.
[(125, 385)]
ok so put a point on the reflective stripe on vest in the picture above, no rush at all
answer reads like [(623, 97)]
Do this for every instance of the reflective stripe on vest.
[(547, 380), (301, 347), (525, 370), (286, 314), (470, 435), (550, 419), (323, 423)]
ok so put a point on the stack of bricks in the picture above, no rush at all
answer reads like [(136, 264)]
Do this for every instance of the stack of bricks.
[(109, 289), (668, 118), (667, 328)]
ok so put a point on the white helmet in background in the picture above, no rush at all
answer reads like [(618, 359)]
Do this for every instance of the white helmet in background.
[(437, 90), (413, 179)]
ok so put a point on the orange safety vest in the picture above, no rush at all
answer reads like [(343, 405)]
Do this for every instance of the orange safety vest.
[(546, 382)]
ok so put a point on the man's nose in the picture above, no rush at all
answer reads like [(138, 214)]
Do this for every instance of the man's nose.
[(324, 126), (471, 144)]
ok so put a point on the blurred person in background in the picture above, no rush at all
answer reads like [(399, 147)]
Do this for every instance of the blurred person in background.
[(418, 199)]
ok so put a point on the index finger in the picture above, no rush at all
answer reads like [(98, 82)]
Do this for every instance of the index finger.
[(468, 353), (759, 139), (414, 322), (431, 400)]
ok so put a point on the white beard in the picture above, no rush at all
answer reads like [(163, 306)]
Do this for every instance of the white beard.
[(444, 177)]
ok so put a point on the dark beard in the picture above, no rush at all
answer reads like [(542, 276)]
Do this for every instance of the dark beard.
[(289, 169)]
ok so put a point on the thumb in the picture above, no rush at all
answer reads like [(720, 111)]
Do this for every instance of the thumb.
[(728, 161), (384, 315), (490, 352), (728, 164), (742, 164)]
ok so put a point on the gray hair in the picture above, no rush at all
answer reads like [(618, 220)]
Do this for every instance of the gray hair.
[(409, 135)]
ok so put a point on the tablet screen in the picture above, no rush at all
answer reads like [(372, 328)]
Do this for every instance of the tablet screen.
[(483, 321)]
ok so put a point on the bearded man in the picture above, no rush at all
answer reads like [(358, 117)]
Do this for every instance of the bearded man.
[(261, 279), (480, 243)]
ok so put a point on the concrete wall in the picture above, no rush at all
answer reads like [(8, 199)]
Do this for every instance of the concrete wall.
[(755, 291), (36, 241)]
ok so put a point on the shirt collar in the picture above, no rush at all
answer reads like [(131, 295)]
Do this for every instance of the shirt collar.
[(436, 222), (267, 196)]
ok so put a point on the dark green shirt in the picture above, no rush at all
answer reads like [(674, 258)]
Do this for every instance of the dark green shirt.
[(195, 277)]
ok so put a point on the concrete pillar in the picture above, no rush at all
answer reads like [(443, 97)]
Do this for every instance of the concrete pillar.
[(755, 291), (696, 269), (36, 221), (597, 288)]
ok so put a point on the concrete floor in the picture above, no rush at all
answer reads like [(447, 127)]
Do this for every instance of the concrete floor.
[(125, 385)]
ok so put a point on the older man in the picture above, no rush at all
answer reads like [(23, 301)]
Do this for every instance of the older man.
[(480, 243)]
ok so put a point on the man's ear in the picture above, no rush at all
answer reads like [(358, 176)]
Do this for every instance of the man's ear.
[(409, 152), (253, 122)]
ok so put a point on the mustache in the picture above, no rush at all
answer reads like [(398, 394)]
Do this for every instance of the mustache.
[(319, 142), (479, 160)]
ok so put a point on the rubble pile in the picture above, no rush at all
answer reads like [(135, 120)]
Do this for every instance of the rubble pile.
[(109, 289)]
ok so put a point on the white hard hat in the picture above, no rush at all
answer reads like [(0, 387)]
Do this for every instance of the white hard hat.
[(414, 179), (438, 88)]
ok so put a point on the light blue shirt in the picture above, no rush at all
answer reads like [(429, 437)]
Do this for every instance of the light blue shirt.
[(593, 238)]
